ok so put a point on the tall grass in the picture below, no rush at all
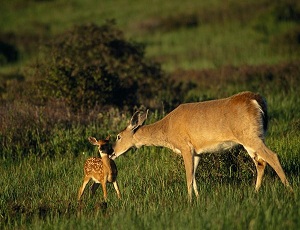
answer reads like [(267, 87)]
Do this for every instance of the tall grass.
[(39, 190), (42, 194)]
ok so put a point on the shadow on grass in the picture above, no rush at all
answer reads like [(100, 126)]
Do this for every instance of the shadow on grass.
[(236, 166)]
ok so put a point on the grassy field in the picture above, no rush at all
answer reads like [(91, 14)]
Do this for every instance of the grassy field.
[(223, 48), (40, 192)]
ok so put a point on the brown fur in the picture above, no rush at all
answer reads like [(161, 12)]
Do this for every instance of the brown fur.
[(195, 128), (100, 170)]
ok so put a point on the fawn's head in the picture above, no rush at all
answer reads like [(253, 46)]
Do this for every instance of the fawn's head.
[(125, 139), (104, 146)]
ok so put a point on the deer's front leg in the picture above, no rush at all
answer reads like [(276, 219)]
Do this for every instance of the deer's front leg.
[(189, 170)]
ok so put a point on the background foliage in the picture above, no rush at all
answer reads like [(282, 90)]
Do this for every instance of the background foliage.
[(95, 65)]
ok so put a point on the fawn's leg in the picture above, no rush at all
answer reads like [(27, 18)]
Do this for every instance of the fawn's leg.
[(117, 189), (103, 183), (81, 189)]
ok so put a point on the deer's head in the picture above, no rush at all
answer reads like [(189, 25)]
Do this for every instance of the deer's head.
[(125, 139)]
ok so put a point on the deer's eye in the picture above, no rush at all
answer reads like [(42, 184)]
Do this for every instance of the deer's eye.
[(118, 137)]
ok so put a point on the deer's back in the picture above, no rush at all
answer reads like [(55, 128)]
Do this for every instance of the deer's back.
[(218, 120)]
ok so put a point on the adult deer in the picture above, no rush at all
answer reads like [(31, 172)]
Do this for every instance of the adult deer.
[(195, 128)]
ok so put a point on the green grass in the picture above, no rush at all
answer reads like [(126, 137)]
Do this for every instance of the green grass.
[(39, 191), (42, 194)]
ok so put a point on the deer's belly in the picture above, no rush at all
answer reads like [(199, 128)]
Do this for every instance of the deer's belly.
[(216, 147)]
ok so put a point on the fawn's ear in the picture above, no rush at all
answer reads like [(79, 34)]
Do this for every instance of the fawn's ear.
[(93, 141), (107, 138)]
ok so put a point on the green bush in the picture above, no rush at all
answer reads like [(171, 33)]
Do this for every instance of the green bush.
[(95, 65), (287, 10)]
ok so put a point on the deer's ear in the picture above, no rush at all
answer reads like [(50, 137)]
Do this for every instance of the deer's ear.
[(137, 119), (142, 117), (93, 140), (133, 121)]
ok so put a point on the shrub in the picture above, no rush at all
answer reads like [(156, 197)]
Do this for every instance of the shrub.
[(8, 53), (287, 10), (95, 65)]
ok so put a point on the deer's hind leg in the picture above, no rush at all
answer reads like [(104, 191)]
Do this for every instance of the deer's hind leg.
[(263, 153), (272, 159), (260, 165)]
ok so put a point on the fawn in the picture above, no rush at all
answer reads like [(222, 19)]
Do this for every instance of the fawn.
[(101, 170)]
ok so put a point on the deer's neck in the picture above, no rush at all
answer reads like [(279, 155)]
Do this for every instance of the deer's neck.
[(154, 134)]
